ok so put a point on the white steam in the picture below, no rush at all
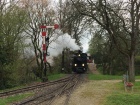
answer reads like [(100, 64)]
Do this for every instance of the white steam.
[(61, 42)]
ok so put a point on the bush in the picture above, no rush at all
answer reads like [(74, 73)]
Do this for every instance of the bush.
[(56, 67), (15, 73)]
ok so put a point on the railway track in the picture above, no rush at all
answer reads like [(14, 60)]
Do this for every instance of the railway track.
[(48, 95), (33, 87)]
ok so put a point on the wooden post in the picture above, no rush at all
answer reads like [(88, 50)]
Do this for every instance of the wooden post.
[(128, 86)]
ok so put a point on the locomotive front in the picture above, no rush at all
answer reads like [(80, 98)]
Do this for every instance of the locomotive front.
[(79, 64)]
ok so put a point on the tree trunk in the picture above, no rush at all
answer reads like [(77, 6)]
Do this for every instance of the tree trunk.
[(131, 68)]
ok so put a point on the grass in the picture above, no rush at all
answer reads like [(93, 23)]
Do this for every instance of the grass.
[(137, 77), (8, 89), (55, 76), (103, 77), (107, 77), (12, 99), (120, 97), (123, 99), (50, 77)]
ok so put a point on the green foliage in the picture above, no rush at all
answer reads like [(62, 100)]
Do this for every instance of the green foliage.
[(11, 99), (137, 70), (137, 60), (105, 54), (11, 74), (137, 65), (57, 64), (13, 21), (99, 68), (97, 57)]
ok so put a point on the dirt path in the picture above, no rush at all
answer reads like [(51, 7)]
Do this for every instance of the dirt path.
[(92, 92), (92, 68)]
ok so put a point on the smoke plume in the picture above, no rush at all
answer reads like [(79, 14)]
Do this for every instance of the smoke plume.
[(62, 41)]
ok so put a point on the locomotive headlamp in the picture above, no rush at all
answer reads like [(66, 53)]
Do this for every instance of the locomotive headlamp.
[(83, 64), (75, 64), (79, 55)]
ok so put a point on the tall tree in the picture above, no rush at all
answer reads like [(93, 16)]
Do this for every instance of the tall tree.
[(40, 13), (120, 19), (105, 53), (70, 20), (13, 21)]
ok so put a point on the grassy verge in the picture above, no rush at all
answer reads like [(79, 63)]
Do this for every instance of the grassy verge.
[(120, 97), (17, 87), (107, 77), (137, 77), (12, 99), (123, 99), (50, 77), (104, 77), (55, 76)]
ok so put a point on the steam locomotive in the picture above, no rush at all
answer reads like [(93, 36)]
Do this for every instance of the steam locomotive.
[(79, 62)]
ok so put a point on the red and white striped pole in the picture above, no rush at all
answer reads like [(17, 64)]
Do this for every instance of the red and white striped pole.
[(44, 39), (44, 44), (54, 26)]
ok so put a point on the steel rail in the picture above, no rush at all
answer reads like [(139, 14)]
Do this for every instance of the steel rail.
[(33, 87)]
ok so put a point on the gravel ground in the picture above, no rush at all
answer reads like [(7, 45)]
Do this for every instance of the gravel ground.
[(60, 100)]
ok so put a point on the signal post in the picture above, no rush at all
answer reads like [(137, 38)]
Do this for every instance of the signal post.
[(45, 42)]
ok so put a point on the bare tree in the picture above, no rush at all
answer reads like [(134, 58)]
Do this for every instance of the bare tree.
[(71, 21), (40, 13)]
